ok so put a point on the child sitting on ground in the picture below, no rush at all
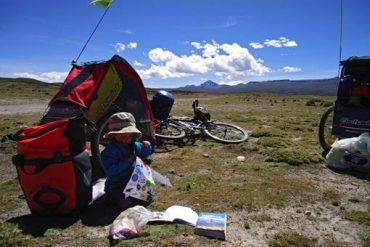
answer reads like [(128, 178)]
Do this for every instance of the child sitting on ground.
[(119, 158)]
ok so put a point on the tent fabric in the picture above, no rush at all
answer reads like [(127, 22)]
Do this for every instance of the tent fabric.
[(102, 88)]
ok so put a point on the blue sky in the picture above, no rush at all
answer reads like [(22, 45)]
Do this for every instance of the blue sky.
[(173, 43)]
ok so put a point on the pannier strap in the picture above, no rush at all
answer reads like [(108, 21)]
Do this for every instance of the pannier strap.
[(50, 206), (11, 137), (39, 163)]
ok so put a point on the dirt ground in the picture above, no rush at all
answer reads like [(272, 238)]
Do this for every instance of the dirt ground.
[(319, 221), (322, 222), (21, 107)]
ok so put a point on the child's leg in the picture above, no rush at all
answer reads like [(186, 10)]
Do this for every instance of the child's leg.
[(117, 199)]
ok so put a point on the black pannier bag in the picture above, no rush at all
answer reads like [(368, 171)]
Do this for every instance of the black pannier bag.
[(200, 113), (161, 104)]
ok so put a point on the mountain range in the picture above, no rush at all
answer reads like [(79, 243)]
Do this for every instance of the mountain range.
[(286, 86), (304, 87)]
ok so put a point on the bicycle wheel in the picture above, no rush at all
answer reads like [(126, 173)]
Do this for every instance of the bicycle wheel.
[(169, 131), (225, 133), (98, 142), (325, 137)]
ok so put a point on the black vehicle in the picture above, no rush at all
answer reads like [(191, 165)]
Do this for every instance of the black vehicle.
[(350, 115)]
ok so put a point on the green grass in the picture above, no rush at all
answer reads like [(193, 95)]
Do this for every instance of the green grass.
[(283, 239), (332, 196), (260, 217), (362, 217), (162, 234), (366, 237), (11, 236), (11, 196), (26, 89)]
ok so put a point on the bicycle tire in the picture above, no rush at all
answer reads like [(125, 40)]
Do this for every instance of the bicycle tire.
[(98, 142), (326, 139), (226, 133), (169, 131)]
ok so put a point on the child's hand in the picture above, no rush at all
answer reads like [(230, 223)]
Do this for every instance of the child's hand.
[(146, 144)]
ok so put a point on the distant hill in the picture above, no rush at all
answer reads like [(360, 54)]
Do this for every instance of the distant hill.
[(27, 88), (28, 81), (304, 87), (309, 87)]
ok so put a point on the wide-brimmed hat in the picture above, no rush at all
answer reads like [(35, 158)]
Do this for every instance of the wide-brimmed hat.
[(122, 123)]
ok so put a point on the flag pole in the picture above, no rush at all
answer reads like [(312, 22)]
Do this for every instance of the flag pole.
[(340, 34), (96, 27)]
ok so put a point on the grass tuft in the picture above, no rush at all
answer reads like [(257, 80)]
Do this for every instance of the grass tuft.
[(11, 236), (273, 142), (366, 238), (260, 217), (332, 196), (283, 239), (294, 156), (358, 216)]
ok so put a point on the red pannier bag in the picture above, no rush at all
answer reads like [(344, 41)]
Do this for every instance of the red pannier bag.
[(53, 167)]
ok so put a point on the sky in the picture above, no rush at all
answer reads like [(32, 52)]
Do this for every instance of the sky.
[(174, 43)]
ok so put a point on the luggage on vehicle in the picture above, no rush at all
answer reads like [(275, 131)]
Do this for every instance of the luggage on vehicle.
[(161, 104), (200, 113), (53, 166)]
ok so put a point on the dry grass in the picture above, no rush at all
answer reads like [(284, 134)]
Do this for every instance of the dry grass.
[(283, 144)]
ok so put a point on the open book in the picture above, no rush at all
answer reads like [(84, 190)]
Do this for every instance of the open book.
[(175, 214), (211, 225)]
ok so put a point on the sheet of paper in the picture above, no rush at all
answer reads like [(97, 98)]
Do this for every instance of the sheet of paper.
[(98, 189), (160, 178)]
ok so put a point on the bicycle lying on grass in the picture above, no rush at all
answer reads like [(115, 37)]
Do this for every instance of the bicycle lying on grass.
[(177, 128)]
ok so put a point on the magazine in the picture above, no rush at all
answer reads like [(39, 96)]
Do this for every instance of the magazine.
[(211, 225), (175, 215)]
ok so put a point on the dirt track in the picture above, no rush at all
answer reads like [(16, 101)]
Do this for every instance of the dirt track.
[(22, 106)]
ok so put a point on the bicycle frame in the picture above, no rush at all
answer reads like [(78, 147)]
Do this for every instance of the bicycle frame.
[(189, 126)]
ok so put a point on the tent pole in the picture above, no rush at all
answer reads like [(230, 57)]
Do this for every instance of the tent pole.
[(96, 27)]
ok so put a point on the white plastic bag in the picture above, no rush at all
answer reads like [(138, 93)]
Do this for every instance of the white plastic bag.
[(130, 223), (350, 153), (141, 184)]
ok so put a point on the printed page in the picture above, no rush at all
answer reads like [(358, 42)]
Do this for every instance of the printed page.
[(182, 215)]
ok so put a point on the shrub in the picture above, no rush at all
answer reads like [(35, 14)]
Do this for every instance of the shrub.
[(293, 156), (274, 142)]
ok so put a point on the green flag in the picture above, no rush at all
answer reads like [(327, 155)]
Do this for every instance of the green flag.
[(101, 3)]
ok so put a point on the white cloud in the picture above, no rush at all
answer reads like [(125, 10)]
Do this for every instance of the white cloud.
[(119, 47), (256, 45), (197, 45), (158, 55), (288, 69), (126, 31), (45, 77), (231, 83), (278, 43), (132, 45), (138, 64), (224, 60), (210, 50)]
